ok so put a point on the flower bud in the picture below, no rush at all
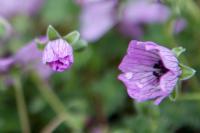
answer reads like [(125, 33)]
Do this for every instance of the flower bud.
[(58, 54)]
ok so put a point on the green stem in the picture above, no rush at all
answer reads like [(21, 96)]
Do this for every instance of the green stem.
[(190, 96), (53, 125), (21, 106), (55, 102)]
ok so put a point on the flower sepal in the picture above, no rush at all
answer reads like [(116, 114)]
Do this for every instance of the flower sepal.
[(52, 33), (5, 29), (2, 30), (80, 45), (41, 42), (40, 45), (174, 95), (187, 72), (72, 37), (178, 51)]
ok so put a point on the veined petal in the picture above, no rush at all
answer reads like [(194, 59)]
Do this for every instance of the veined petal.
[(168, 81), (58, 54), (149, 71), (168, 58)]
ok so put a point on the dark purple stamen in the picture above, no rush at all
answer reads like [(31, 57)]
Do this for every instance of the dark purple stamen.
[(160, 69)]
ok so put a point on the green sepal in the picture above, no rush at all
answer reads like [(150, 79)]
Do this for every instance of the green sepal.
[(178, 51), (80, 45), (187, 72), (72, 37), (174, 95), (40, 45), (2, 30), (52, 33)]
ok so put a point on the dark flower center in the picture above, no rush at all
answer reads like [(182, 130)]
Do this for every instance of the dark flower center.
[(159, 69)]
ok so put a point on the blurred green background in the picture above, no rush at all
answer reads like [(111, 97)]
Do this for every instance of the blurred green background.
[(95, 100)]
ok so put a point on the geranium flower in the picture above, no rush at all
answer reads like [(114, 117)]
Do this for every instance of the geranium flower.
[(58, 54), (149, 71)]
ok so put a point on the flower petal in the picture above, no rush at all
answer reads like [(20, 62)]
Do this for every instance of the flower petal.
[(96, 19), (167, 56), (57, 49), (168, 81), (138, 59)]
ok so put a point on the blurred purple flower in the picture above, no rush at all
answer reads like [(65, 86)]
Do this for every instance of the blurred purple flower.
[(82, 2), (58, 54), (149, 71), (136, 13), (141, 11), (5, 64), (11, 8), (179, 25), (131, 29), (28, 57), (97, 18), (31, 57)]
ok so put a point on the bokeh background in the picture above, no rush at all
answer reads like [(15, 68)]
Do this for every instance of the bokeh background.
[(89, 95)]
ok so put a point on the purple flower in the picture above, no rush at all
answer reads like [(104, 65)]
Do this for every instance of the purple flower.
[(11, 8), (145, 12), (82, 2), (179, 25), (149, 71), (139, 12), (97, 18), (5, 64), (28, 58), (58, 54), (131, 29)]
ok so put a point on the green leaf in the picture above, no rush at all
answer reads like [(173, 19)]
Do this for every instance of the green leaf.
[(173, 96), (187, 72), (80, 45), (52, 33), (178, 51), (72, 37)]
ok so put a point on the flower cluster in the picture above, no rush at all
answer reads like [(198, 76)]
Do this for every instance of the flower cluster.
[(149, 71)]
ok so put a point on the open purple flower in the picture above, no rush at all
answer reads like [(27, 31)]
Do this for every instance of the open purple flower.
[(149, 71), (58, 54)]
